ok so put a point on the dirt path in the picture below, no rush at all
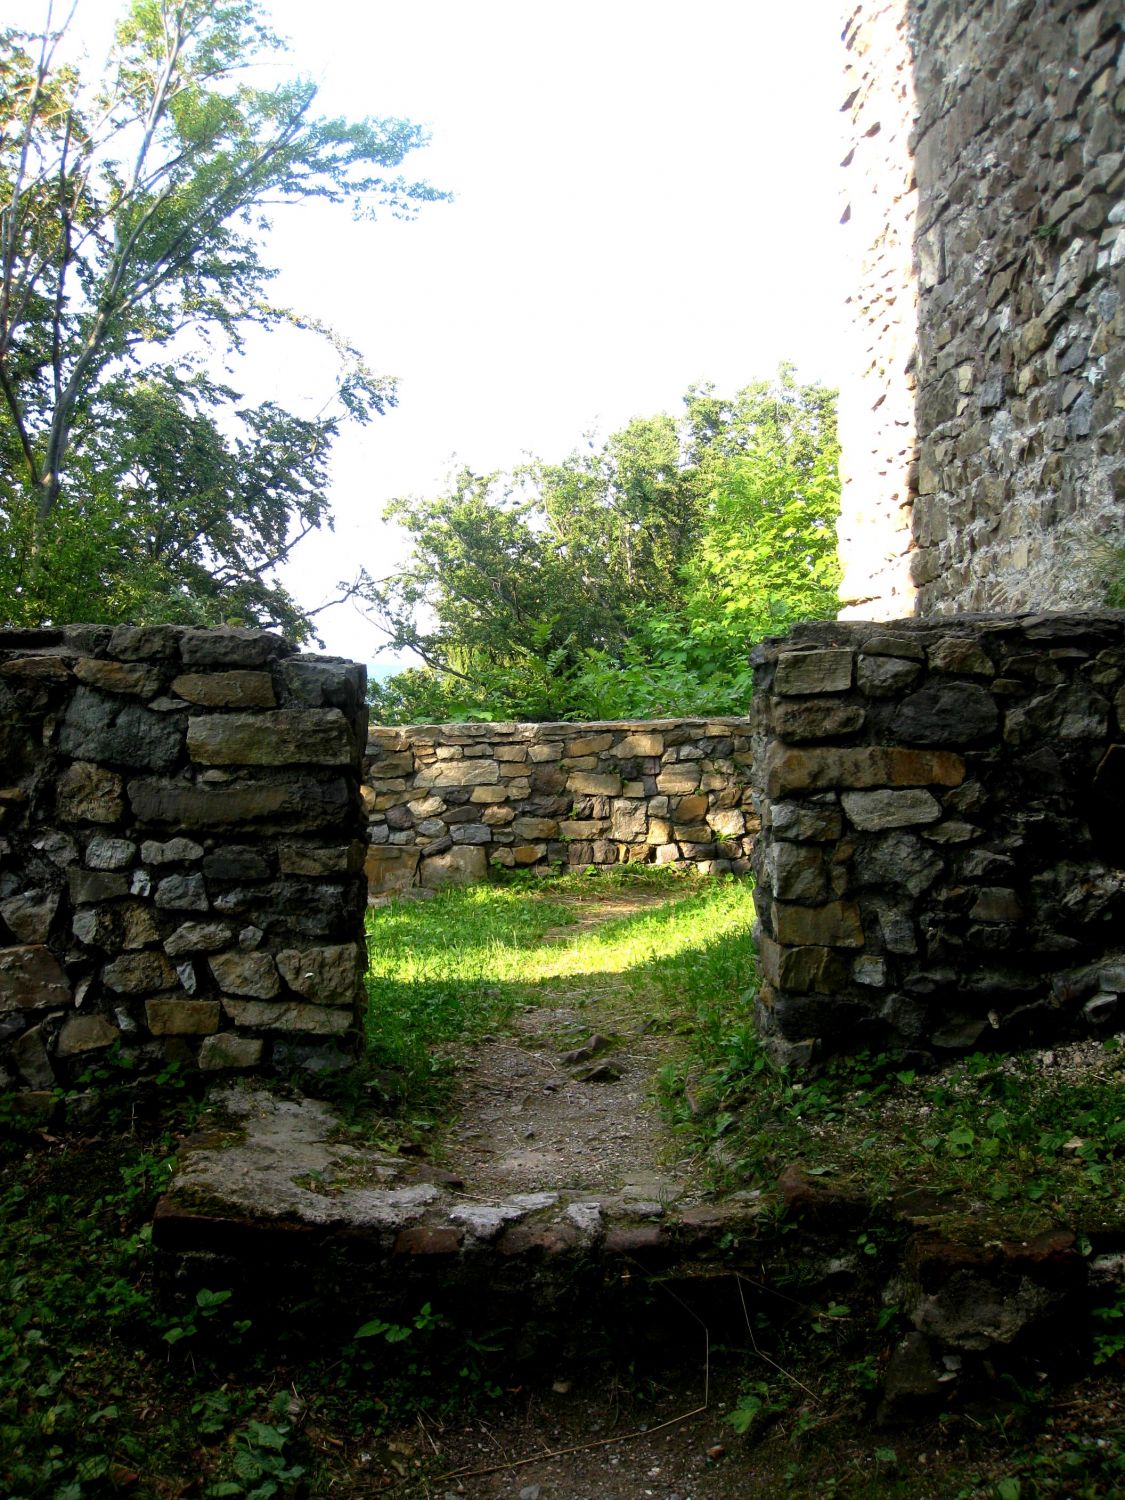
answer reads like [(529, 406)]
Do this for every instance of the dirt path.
[(563, 1099)]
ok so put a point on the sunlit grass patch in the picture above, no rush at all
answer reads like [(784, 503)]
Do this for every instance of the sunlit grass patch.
[(452, 968)]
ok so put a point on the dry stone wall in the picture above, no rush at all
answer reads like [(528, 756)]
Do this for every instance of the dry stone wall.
[(447, 801), (181, 852), (941, 863), (983, 421)]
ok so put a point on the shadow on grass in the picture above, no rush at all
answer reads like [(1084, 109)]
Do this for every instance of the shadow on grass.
[(450, 969)]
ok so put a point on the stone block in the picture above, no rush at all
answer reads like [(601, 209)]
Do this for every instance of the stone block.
[(389, 869), (31, 978), (457, 773), (894, 645), (227, 646), (583, 828), (962, 656), (691, 808), (331, 682), (898, 861), (629, 821), (489, 794), (947, 713), (812, 719), (639, 743), (182, 1017), (836, 924), (36, 668), (885, 676), (812, 821), (241, 973), (29, 915), (588, 744), (588, 784), (236, 862), (870, 766), (805, 672), (181, 893), (197, 937), (288, 1015), (85, 1034), (326, 976), (29, 1053), (99, 728), (728, 823), (118, 677), (288, 736), (104, 853), (143, 642), (95, 885), (796, 872), (173, 851), (996, 904), (87, 793), (312, 859), (877, 810), (292, 804), (471, 833), (535, 828), (225, 1050), (541, 753), (139, 974), (678, 780), (529, 854), (226, 689)]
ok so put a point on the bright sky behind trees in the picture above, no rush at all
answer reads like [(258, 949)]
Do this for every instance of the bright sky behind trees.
[(646, 195)]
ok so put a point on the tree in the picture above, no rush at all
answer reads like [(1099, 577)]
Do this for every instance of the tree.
[(629, 580), (130, 243)]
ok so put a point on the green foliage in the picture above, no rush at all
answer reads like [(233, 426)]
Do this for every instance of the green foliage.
[(629, 580), (132, 486)]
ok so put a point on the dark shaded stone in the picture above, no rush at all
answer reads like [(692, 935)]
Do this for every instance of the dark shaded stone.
[(293, 803), (97, 728), (947, 713), (226, 647)]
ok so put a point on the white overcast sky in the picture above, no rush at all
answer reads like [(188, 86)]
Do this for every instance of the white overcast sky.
[(646, 196)]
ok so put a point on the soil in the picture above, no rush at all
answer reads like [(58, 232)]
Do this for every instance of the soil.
[(564, 1100)]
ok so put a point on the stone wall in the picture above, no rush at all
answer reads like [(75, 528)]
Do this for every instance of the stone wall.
[(983, 421), (181, 850), (941, 864), (446, 801)]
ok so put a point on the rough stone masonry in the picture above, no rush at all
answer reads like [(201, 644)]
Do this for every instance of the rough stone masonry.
[(983, 418), (181, 852), (446, 802), (941, 865)]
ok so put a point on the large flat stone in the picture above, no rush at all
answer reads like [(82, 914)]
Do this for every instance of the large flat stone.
[(226, 689), (99, 728), (287, 1015), (297, 736), (31, 978), (836, 924), (327, 976), (293, 803), (789, 771), (801, 672)]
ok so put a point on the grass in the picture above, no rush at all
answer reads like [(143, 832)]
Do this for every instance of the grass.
[(106, 1391), (451, 969)]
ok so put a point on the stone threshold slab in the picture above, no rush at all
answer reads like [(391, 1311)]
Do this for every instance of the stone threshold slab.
[(274, 1191)]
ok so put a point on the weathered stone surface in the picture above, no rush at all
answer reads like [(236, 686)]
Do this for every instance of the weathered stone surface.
[(87, 793), (947, 713), (796, 872), (678, 779), (139, 974), (837, 924), (464, 866), (85, 1034), (876, 810), (99, 728), (228, 647), (960, 655), (103, 853), (799, 719), (587, 744), (197, 937), (31, 979), (324, 682), (390, 869), (310, 859), (173, 852), (535, 828), (182, 893), (226, 1051), (898, 860), (241, 973), (29, 1053), (868, 766), (143, 642), (182, 1017), (293, 803), (226, 689), (29, 915), (458, 773), (799, 672), (287, 1015), (638, 744), (310, 736), (118, 677), (327, 976), (885, 676), (95, 885), (813, 821), (585, 783)]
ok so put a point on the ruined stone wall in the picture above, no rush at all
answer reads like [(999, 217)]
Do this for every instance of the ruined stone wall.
[(941, 864), (181, 848), (983, 422), (447, 801)]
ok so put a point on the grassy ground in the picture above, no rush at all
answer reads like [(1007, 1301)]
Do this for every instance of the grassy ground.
[(104, 1392)]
